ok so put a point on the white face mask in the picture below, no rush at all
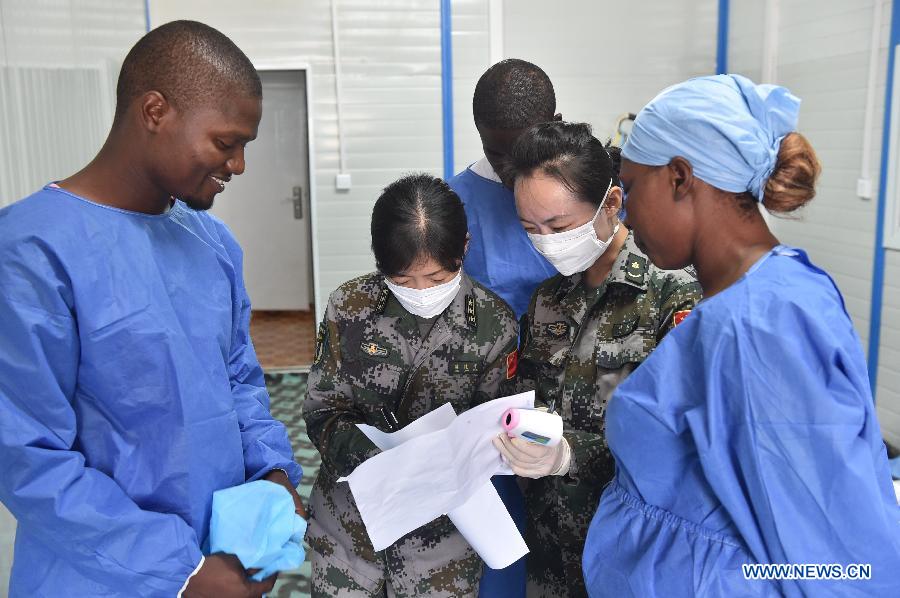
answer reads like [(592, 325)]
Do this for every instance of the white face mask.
[(429, 302), (574, 250)]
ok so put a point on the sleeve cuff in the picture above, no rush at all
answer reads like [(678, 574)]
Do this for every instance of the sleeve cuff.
[(293, 471), (188, 580), (565, 459), (285, 472)]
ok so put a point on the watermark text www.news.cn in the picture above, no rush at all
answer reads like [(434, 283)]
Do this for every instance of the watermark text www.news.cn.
[(804, 571)]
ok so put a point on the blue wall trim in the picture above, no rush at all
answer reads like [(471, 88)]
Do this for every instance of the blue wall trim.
[(447, 86), (722, 41), (147, 15), (878, 261)]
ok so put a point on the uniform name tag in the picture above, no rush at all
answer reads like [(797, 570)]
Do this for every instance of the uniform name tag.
[(624, 328), (471, 314), (464, 367)]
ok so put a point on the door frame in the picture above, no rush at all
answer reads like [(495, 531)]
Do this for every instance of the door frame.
[(300, 66)]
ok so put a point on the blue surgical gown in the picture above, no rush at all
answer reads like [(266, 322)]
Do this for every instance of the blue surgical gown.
[(500, 255), (129, 393), (748, 436)]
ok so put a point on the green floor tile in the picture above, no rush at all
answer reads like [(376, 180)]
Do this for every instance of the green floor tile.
[(287, 392)]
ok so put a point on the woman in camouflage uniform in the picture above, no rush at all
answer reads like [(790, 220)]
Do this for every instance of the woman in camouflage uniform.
[(395, 345), (585, 331)]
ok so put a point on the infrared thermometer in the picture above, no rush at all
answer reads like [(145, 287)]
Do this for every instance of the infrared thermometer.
[(533, 425)]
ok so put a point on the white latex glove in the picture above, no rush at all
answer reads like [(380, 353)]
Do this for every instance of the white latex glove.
[(531, 460)]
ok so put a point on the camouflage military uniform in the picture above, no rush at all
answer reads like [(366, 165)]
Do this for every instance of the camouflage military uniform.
[(578, 344), (373, 366)]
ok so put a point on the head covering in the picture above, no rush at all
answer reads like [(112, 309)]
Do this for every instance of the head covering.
[(726, 126)]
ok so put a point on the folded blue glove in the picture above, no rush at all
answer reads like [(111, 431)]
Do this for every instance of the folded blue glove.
[(256, 522), (895, 468)]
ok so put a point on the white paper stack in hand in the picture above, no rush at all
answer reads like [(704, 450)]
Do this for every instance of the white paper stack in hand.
[(440, 464)]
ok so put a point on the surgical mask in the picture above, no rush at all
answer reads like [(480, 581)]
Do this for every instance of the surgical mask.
[(429, 302), (574, 250)]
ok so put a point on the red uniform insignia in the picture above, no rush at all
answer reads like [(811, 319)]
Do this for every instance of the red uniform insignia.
[(679, 316), (512, 363)]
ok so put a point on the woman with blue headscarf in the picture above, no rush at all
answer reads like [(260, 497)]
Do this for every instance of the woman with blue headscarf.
[(749, 436)]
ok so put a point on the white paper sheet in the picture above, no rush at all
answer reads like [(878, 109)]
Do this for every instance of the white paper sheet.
[(483, 520), (441, 463), (438, 419), (489, 528)]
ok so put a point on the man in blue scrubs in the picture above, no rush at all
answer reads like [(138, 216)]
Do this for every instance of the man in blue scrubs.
[(510, 97), (129, 387)]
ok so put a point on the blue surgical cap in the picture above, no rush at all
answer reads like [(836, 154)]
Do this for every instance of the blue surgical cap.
[(726, 126)]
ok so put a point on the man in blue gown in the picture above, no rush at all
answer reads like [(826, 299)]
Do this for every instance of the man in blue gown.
[(510, 97), (129, 388)]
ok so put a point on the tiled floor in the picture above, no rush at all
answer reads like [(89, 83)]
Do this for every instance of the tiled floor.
[(283, 339), (287, 392)]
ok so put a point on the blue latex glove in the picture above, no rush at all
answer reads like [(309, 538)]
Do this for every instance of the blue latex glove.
[(895, 468), (256, 522)]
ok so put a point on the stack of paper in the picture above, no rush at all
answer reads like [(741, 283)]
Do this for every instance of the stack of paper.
[(440, 464)]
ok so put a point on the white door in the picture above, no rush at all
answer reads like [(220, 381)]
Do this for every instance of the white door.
[(267, 207)]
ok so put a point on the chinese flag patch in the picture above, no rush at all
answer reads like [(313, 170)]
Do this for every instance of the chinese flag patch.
[(512, 363), (679, 316)]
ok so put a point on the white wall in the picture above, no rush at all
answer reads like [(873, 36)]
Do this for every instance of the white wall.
[(58, 65), (607, 57), (471, 57), (745, 37), (822, 57)]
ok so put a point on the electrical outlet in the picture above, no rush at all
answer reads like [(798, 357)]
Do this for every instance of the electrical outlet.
[(864, 188), (343, 182)]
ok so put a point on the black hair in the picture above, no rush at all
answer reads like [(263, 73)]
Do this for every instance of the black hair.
[(572, 155), (513, 94), (190, 63), (418, 217)]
